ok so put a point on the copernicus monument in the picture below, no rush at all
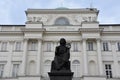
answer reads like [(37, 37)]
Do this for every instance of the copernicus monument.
[(60, 68)]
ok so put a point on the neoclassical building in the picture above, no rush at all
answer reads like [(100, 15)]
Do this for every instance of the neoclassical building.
[(26, 51)]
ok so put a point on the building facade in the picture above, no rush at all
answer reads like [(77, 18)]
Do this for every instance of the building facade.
[(26, 51)]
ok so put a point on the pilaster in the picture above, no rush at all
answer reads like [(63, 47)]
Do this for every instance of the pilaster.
[(116, 64), (85, 61), (39, 56), (99, 55), (24, 58)]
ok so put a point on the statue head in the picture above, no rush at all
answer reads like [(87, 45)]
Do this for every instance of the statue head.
[(62, 41)]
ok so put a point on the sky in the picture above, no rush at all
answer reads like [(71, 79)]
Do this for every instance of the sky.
[(13, 11)]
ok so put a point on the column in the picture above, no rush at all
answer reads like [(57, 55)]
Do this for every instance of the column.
[(8, 67), (115, 58), (100, 64), (85, 61), (24, 58), (39, 56)]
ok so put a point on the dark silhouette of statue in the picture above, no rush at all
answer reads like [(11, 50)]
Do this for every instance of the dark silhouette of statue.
[(61, 60)]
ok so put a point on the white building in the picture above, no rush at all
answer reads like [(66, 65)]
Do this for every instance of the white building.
[(26, 51)]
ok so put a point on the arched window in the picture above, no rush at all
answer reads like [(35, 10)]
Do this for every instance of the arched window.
[(47, 66), (62, 21), (92, 68), (32, 68), (76, 68)]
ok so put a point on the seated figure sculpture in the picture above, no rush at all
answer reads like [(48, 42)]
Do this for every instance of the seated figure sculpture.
[(61, 60)]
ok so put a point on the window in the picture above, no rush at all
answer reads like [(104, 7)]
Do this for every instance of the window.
[(47, 67), (4, 46), (90, 46), (18, 46), (62, 21), (108, 70), (1, 70), (105, 46), (33, 45), (75, 46), (49, 45), (15, 70), (76, 68), (118, 45)]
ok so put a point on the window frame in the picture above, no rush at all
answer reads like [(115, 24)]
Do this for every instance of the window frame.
[(2, 70), (90, 46), (49, 46), (61, 21), (18, 47), (118, 46), (105, 46), (15, 69), (4, 46), (75, 47), (108, 70), (32, 46)]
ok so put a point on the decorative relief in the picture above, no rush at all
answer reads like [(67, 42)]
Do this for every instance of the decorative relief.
[(86, 19), (89, 19), (37, 19), (78, 18)]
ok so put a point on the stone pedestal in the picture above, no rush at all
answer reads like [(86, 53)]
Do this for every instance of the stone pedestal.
[(60, 75)]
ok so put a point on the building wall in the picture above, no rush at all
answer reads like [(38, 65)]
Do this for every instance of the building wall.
[(37, 39)]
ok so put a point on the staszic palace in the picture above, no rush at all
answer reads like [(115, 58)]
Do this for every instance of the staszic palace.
[(26, 51)]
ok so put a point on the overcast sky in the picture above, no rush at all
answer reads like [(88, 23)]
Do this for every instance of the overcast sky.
[(13, 11)]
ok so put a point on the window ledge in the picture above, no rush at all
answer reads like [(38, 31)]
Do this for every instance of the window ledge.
[(107, 51), (18, 51), (32, 50), (4, 51)]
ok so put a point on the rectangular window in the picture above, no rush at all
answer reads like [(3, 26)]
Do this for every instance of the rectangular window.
[(75, 46), (49, 46), (4, 46), (108, 70), (90, 46), (15, 70), (1, 70), (105, 46), (33, 46), (118, 45), (18, 46)]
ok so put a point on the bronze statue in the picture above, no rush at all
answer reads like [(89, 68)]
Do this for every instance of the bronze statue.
[(61, 60)]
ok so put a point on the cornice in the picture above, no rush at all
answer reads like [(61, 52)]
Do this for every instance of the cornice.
[(61, 11), (90, 29), (11, 32), (112, 32), (62, 32), (33, 29)]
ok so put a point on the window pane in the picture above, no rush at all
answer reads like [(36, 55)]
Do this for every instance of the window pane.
[(90, 46), (15, 70), (118, 45), (75, 46), (62, 21), (18, 46), (1, 70), (33, 46), (49, 45), (4, 46), (108, 70), (105, 46)]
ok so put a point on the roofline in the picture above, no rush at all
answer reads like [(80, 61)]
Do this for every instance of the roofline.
[(109, 24), (12, 25), (59, 11), (53, 25)]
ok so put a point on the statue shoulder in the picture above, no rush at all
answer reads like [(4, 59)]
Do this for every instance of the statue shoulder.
[(57, 47)]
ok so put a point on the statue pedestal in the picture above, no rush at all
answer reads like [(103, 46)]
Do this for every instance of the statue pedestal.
[(60, 75)]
